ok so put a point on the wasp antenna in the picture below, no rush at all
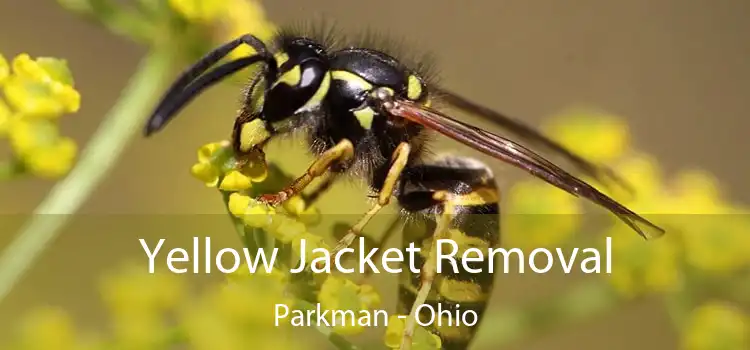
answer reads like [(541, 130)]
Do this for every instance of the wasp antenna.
[(170, 107), (186, 87)]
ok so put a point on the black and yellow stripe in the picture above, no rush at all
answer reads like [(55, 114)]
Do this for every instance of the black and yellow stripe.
[(473, 199)]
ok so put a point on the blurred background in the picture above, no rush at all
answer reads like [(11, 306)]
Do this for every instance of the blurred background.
[(675, 71)]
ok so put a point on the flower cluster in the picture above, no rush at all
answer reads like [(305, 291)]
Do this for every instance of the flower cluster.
[(287, 226), (37, 92), (706, 242), (153, 311)]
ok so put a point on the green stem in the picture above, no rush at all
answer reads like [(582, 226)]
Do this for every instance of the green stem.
[(107, 144)]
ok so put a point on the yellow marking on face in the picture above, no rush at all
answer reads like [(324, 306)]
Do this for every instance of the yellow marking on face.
[(291, 77), (413, 88), (428, 102), (252, 134), (351, 78), (320, 94), (281, 58), (365, 117), (257, 96)]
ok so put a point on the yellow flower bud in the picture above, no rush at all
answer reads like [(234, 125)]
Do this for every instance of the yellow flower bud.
[(4, 69), (312, 242), (27, 135), (53, 161), (5, 117), (238, 204), (422, 340), (596, 136), (247, 17), (717, 325), (40, 99), (48, 328), (201, 11), (286, 229), (294, 205), (541, 215), (258, 215), (235, 181), (207, 151), (206, 173), (41, 87), (643, 267)]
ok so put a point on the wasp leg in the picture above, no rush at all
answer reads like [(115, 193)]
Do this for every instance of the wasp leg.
[(428, 274), (323, 187), (398, 163), (341, 152), (453, 199)]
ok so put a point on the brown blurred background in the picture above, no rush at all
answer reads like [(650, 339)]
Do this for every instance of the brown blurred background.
[(676, 70)]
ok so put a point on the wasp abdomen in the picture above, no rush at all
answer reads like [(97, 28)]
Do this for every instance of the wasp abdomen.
[(465, 190)]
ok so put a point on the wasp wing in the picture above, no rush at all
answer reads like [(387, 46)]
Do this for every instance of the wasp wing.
[(525, 132), (519, 156)]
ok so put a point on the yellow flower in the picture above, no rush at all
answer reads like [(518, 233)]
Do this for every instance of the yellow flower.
[(285, 229), (52, 161), (422, 340), (201, 11), (42, 87), (253, 213), (596, 136), (4, 69), (206, 173), (134, 290), (642, 267), (245, 17), (540, 215), (41, 148), (48, 328), (312, 242), (297, 207), (717, 326), (338, 293), (235, 181), (215, 161), (717, 243), (6, 117)]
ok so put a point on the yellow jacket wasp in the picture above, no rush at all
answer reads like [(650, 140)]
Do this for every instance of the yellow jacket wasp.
[(366, 113)]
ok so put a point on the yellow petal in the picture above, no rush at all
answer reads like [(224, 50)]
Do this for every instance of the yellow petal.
[(596, 136), (238, 204), (717, 325), (54, 161), (207, 151), (36, 98), (206, 173), (235, 181), (288, 229), (4, 69), (202, 11), (48, 328), (5, 117), (27, 135), (295, 205), (258, 215)]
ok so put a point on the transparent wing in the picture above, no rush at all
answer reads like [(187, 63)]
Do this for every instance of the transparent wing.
[(526, 133), (519, 156)]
